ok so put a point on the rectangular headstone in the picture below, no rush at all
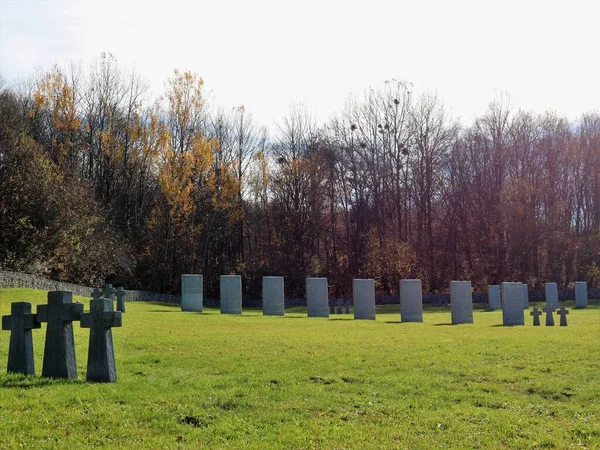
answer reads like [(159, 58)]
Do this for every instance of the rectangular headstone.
[(317, 297), (191, 292), (551, 294), (525, 296), (231, 294), (512, 304), (581, 294), (494, 297), (461, 302), (411, 301), (363, 292), (273, 296)]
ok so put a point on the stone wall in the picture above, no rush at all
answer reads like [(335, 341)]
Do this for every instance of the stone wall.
[(24, 280)]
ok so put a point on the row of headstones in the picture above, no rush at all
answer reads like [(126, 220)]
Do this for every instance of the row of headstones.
[(514, 301), (317, 297), (550, 289), (59, 350)]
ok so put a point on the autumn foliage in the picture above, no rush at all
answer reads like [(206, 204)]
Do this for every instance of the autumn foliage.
[(100, 181)]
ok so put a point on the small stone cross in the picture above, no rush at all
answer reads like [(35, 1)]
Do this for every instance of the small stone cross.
[(101, 352), (120, 294), (20, 323), (59, 351), (536, 313), (562, 312), (96, 293), (549, 317), (108, 291)]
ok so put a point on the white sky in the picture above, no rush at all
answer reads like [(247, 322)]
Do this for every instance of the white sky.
[(267, 54)]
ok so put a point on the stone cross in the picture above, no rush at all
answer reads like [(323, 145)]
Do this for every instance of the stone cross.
[(562, 312), (59, 351), (96, 293), (101, 353), (20, 323), (536, 313), (120, 294), (108, 291), (549, 317)]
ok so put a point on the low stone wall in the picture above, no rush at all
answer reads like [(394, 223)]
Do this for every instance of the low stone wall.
[(24, 280)]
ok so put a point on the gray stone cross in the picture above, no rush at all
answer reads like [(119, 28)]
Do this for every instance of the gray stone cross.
[(20, 352), (549, 317), (120, 294), (59, 351), (108, 291), (101, 353), (562, 312), (536, 313), (96, 293)]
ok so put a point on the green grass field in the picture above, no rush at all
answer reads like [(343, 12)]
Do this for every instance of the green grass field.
[(189, 380)]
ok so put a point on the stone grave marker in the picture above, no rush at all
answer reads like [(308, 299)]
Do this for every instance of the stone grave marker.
[(192, 292), (525, 296), (347, 307), (339, 305), (411, 301), (96, 293), (363, 293), (332, 308), (512, 304), (494, 297), (108, 291), (101, 352), (461, 302), (549, 317), (231, 294), (120, 294), (581, 294), (535, 313), (317, 297), (59, 349), (273, 301), (551, 294), (20, 351), (562, 312)]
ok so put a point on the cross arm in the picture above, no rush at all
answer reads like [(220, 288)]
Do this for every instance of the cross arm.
[(31, 321), (85, 320), (42, 313), (113, 319), (7, 322), (73, 311)]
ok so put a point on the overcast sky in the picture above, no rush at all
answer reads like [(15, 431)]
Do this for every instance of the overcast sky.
[(267, 54)]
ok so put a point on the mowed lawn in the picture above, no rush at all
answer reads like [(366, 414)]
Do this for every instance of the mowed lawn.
[(189, 380)]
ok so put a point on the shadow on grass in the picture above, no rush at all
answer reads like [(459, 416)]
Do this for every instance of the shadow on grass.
[(19, 381), (444, 324), (341, 318), (393, 321)]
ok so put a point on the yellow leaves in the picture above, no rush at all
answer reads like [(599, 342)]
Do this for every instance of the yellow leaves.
[(183, 173)]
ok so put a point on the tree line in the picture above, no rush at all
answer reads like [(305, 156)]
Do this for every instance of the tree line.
[(100, 181)]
